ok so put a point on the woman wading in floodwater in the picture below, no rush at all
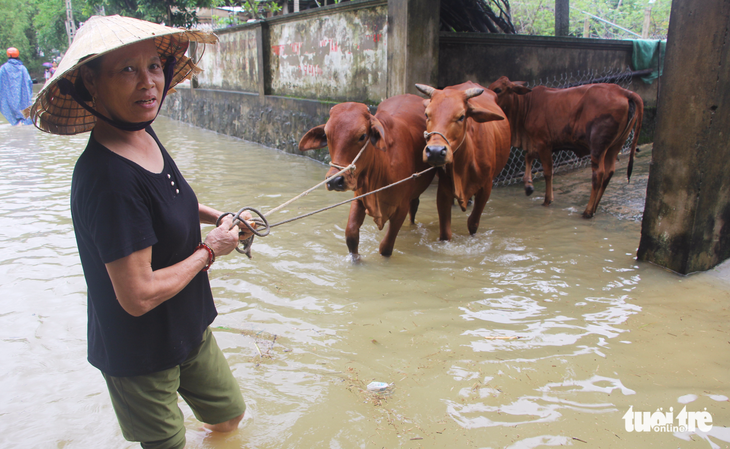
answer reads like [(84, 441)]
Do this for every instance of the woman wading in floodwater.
[(137, 225)]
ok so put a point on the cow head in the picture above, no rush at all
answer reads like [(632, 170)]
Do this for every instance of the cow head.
[(350, 129), (505, 89), (447, 112)]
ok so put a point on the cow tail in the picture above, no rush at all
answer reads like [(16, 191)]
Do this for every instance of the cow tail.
[(638, 117)]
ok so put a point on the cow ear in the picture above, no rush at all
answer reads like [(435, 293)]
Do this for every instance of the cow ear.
[(314, 139), (377, 134), (519, 88), (482, 115)]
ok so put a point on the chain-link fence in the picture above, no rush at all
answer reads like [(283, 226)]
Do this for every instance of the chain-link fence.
[(564, 160)]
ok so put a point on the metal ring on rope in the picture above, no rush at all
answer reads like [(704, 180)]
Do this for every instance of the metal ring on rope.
[(262, 222), (262, 228), (427, 136)]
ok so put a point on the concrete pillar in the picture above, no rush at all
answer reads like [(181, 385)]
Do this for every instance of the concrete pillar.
[(686, 225), (263, 51), (413, 44), (562, 17)]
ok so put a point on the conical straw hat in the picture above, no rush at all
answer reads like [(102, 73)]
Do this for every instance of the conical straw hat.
[(58, 113)]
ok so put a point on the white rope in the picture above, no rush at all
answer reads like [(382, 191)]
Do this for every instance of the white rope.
[(342, 170)]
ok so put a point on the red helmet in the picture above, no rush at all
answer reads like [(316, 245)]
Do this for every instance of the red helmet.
[(13, 52)]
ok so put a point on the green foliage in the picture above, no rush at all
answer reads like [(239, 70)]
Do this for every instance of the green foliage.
[(537, 17), (178, 13), (16, 31), (37, 27), (253, 9), (223, 22), (49, 23)]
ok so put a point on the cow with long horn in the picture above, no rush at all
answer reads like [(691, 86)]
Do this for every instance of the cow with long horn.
[(468, 138)]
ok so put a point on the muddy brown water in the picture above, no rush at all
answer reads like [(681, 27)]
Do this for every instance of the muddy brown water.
[(541, 330)]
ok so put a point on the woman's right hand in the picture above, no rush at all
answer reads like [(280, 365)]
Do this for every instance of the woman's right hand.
[(222, 240)]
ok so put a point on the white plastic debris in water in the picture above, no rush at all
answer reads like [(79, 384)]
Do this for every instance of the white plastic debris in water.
[(377, 386)]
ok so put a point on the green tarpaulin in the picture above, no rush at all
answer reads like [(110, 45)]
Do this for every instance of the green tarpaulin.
[(649, 54)]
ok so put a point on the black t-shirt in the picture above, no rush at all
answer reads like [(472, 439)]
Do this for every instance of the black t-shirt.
[(118, 208)]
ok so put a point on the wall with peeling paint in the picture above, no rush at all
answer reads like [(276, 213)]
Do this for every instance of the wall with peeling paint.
[(341, 53), (340, 56), (232, 64)]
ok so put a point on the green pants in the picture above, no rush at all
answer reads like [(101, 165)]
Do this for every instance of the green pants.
[(146, 406)]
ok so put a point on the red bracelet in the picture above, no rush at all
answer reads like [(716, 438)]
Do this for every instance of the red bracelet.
[(211, 255)]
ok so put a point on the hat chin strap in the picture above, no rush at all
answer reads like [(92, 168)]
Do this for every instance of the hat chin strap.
[(66, 87)]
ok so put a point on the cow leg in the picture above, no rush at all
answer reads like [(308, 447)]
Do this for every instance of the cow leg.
[(547, 171), (596, 183), (527, 179), (603, 160), (609, 167), (444, 201), (480, 200), (394, 225), (413, 209), (352, 232)]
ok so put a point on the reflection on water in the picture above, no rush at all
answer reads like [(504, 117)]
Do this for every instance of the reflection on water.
[(540, 330)]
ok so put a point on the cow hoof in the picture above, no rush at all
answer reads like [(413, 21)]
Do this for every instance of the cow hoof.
[(547, 203), (529, 190), (587, 216)]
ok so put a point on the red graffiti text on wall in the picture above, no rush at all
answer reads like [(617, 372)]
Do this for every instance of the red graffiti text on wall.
[(331, 43), (296, 47), (311, 70)]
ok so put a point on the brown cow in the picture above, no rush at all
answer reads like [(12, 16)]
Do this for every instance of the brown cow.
[(593, 119), (392, 140), (468, 138)]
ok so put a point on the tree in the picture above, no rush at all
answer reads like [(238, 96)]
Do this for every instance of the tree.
[(51, 32), (176, 13), (16, 31), (536, 17)]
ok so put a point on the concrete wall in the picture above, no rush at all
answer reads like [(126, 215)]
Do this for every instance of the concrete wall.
[(337, 54), (483, 58), (232, 64), (276, 122), (365, 51), (414, 51)]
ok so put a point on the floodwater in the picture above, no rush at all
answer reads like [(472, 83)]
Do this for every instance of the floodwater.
[(541, 330)]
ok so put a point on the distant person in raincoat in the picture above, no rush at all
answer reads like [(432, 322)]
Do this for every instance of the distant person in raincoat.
[(16, 89)]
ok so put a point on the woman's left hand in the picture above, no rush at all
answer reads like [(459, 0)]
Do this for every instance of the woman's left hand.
[(222, 239)]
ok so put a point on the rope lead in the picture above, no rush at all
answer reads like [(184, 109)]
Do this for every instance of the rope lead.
[(263, 228)]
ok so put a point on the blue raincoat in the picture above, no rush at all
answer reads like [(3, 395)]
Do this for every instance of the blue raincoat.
[(16, 91)]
